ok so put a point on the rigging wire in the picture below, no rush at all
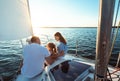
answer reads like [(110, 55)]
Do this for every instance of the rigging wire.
[(113, 42), (114, 36), (115, 19), (113, 45)]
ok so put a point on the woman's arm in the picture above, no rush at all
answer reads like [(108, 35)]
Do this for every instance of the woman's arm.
[(61, 54)]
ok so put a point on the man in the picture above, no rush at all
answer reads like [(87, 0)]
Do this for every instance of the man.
[(33, 58)]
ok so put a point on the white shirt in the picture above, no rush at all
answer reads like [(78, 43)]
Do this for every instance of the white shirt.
[(34, 57)]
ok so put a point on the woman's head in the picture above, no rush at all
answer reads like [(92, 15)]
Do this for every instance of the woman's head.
[(59, 37), (51, 47)]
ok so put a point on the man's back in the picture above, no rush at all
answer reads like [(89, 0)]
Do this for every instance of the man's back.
[(34, 57)]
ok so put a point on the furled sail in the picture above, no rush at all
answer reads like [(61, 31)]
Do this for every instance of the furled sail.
[(15, 20)]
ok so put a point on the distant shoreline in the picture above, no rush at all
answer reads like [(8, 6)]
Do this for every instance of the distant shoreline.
[(70, 27), (66, 27)]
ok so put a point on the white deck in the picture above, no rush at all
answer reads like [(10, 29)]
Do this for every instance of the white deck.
[(89, 77)]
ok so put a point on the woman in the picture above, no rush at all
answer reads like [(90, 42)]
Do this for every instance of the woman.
[(52, 49), (62, 46)]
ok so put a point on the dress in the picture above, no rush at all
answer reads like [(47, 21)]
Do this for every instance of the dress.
[(62, 47)]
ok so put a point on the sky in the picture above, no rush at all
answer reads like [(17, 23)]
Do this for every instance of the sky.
[(64, 13)]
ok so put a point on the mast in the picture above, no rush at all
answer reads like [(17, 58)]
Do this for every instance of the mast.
[(103, 38)]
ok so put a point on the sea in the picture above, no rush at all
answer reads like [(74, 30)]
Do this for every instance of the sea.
[(81, 41)]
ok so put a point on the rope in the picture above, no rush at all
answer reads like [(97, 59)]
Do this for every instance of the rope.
[(118, 69), (115, 19), (109, 74), (114, 40), (118, 60), (115, 34), (114, 26)]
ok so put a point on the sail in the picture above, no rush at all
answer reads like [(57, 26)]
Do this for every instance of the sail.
[(15, 20)]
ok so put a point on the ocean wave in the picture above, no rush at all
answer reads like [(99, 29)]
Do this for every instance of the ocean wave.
[(83, 38)]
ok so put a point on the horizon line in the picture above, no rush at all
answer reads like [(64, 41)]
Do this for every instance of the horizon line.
[(68, 27), (71, 27)]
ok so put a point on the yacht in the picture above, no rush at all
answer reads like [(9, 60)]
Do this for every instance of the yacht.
[(17, 25)]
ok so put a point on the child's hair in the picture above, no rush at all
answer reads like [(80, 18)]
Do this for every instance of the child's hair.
[(52, 47)]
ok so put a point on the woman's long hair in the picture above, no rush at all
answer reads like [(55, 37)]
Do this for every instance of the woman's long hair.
[(61, 38)]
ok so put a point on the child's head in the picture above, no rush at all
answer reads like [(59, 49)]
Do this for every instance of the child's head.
[(51, 47)]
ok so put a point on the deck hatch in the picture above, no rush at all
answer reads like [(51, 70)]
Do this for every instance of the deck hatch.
[(68, 70)]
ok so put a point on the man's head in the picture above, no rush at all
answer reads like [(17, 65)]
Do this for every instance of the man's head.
[(35, 39)]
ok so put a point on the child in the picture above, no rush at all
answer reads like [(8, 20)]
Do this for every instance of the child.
[(52, 49)]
